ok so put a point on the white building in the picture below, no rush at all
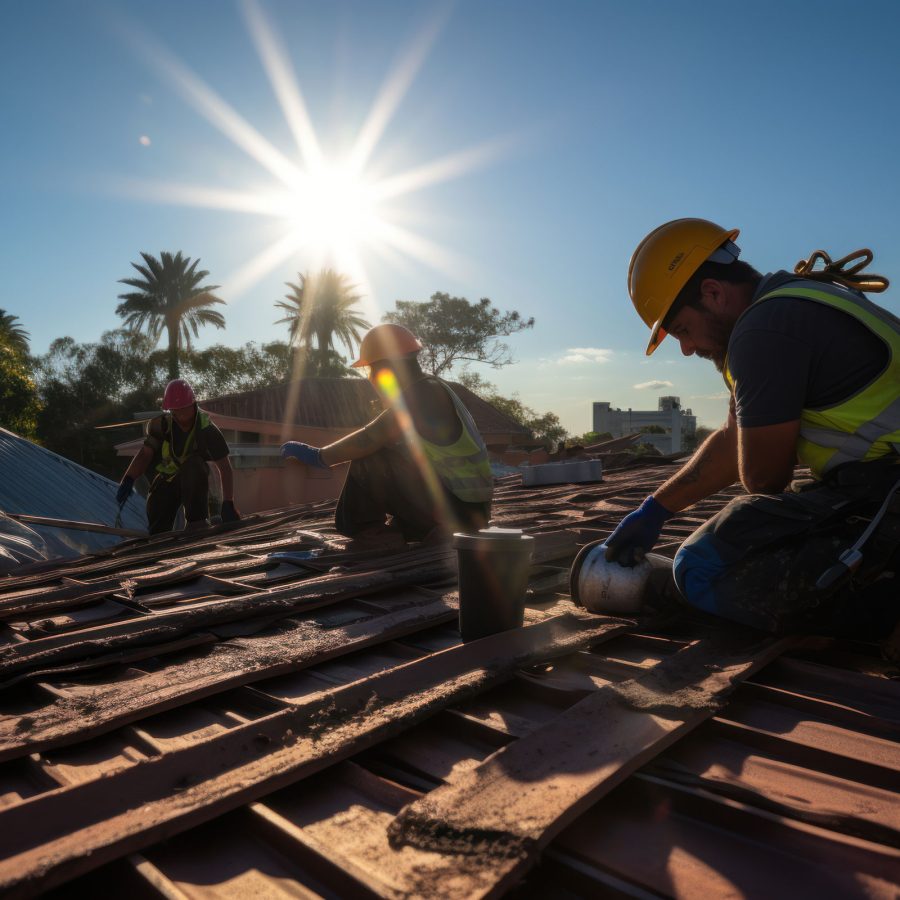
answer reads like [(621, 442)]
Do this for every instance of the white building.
[(678, 423)]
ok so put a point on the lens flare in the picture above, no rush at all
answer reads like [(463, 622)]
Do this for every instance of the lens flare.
[(331, 208)]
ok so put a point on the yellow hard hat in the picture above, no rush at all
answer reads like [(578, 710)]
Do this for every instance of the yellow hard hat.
[(386, 342), (664, 262)]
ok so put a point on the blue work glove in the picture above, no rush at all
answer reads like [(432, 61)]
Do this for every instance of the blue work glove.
[(310, 456), (637, 533), (229, 513), (126, 486)]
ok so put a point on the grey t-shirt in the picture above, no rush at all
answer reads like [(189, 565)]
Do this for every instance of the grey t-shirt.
[(787, 354)]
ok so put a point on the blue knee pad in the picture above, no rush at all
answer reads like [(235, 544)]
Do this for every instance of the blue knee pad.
[(697, 566)]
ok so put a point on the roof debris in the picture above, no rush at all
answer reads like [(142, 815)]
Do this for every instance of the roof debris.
[(304, 717)]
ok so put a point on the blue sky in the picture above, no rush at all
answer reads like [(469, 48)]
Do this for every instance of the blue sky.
[(585, 124)]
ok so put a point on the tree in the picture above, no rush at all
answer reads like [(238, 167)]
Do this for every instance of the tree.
[(545, 428), (320, 309), (589, 438), (652, 429), (454, 330), (82, 386), (170, 298), (221, 370), (12, 334), (693, 441), (19, 404)]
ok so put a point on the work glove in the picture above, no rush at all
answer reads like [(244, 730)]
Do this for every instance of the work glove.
[(229, 513), (126, 486), (637, 533), (310, 456)]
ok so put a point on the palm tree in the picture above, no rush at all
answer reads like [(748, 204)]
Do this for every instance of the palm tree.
[(12, 334), (320, 309), (169, 297)]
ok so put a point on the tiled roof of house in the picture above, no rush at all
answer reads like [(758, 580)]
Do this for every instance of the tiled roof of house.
[(340, 403), (188, 715)]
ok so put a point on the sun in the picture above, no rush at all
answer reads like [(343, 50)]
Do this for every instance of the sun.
[(333, 211)]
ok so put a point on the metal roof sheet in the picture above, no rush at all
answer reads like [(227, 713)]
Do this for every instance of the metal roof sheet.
[(38, 482)]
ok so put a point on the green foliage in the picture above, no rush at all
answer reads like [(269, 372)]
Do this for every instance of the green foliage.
[(589, 438), (454, 330), (85, 385), (221, 370), (652, 429), (319, 310), (12, 335), (545, 428), (19, 403), (170, 298), (693, 441)]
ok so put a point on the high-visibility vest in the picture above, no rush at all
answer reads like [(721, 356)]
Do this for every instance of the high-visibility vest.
[(171, 461), (463, 466), (865, 426)]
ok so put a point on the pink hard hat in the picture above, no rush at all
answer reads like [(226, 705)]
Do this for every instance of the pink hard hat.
[(178, 395)]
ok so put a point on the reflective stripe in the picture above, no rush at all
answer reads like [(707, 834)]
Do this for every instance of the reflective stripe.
[(463, 467), (865, 426), (171, 462)]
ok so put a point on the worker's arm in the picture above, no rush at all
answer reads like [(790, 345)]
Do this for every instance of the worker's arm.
[(766, 456), (381, 431), (711, 469), (226, 473), (139, 463)]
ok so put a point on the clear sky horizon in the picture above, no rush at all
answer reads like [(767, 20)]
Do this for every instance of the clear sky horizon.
[(519, 151)]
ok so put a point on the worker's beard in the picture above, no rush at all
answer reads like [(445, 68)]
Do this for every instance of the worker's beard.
[(719, 330)]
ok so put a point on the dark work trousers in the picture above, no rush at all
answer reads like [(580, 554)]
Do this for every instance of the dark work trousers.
[(189, 488), (390, 483), (758, 560)]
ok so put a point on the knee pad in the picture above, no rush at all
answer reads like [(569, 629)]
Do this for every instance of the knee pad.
[(697, 566)]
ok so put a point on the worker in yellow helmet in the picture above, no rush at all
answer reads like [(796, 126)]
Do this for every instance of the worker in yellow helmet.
[(421, 461), (813, 371)]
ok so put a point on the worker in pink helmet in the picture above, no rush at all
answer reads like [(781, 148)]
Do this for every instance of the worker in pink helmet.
[(178, 446)]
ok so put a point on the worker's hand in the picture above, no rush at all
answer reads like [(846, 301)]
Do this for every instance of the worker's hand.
[(637, 533), (229, 512), (310, 456), (126, 486)]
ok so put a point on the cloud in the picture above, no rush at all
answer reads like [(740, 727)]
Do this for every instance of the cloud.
[(652, 385), (575, 356), (144, 140)]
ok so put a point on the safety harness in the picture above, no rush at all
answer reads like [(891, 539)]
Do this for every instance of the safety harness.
[(865, 426), (171, 462)]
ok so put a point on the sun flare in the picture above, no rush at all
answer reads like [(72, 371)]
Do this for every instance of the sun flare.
[(332, 210)]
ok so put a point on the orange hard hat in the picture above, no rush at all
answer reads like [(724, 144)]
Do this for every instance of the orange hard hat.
[(386, 342), (664, 262)]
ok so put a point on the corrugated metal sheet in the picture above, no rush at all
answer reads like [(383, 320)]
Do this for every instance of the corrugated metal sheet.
[(340, 403), (38, 482), (185, 717)]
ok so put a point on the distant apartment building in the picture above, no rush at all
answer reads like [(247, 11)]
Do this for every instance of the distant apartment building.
[(678, 423)]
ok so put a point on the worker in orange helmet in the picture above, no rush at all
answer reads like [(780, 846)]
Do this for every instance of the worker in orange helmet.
[(812, 367), (421, 461), (177, 447)]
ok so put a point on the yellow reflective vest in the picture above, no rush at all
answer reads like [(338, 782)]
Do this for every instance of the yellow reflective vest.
[(463, 466), (171, 461), (865, 426)]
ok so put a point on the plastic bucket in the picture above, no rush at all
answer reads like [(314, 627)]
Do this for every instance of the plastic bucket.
[(493, 575)]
